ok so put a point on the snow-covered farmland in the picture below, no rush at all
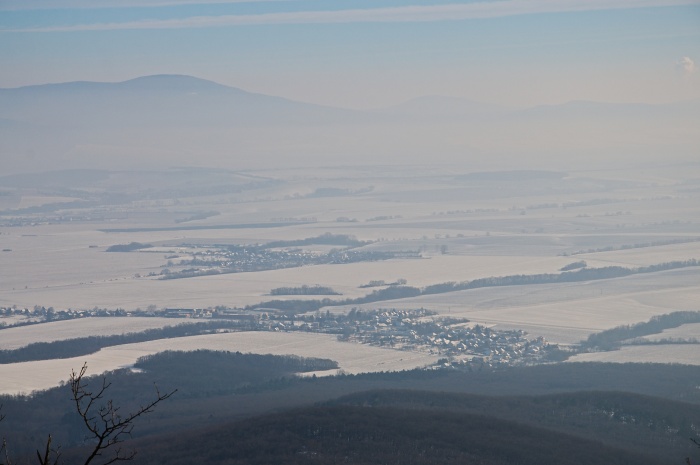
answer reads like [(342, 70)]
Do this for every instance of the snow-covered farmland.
[(352, 358), (686, 354), (689, 331), (242, 289), (464, 227), (643, 256), (567, 313), (13, 338)]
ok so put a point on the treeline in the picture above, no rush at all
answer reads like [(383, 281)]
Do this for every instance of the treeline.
[(611, 339), (573, 266), (130, 247), (402, 292), (302, 306), (198, 216), (87, 345), (324, 239), (304, 290), (637, 246), (664, 341), (381, 283), (582, 274)]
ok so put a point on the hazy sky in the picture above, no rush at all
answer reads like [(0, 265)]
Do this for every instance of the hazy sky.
[(363, 53)]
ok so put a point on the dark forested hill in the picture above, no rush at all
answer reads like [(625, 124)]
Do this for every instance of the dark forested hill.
[(249, 403), (364, 435), (650, 425)]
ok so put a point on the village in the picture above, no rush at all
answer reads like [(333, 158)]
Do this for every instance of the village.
[(458, 342), (212, 259)]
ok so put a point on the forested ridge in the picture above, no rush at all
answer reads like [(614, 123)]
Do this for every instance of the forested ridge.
[(362, 435), (627, 412)]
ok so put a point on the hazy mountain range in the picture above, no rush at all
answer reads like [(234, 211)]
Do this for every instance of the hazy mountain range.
[(167, 120)]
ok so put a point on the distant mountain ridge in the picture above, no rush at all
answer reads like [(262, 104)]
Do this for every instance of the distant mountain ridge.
[(430, 105), (177, 120), (149, 83), (166, 98), (442, 107)]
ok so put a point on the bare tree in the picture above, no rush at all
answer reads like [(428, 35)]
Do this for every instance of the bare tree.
[(697, 443), (107, 427)]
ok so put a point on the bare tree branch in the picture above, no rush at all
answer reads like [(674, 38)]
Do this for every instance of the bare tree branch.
[(48, 452), (105, 423), (3, 448), (107, 427), (697, 443)]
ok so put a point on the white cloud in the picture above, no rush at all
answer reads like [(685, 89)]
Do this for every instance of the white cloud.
[(484, 9), (686, 66)]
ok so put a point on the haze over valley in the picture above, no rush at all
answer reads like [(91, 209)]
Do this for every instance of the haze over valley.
[(158, 121), (358, 233)]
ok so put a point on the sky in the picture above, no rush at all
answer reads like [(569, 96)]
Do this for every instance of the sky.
[(367, 53)]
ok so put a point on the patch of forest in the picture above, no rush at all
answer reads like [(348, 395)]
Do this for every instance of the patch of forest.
[(130, 247), (382, 283), (197, 216), (303, 306), (612, 339), (207, 373), (304, 290), (343, 240), (573, 266)]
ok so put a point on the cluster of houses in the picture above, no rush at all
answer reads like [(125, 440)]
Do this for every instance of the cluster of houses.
[(459, 342), (39, 314), (239, 259)]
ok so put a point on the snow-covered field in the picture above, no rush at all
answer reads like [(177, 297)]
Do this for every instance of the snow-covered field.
[(240, 289), (465, 228), (352, 358), (686, 354), (567, 313), (643, 256), (13, 338), (689, 331)]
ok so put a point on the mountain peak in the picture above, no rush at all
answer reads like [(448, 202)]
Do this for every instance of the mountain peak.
[(178, 82)]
